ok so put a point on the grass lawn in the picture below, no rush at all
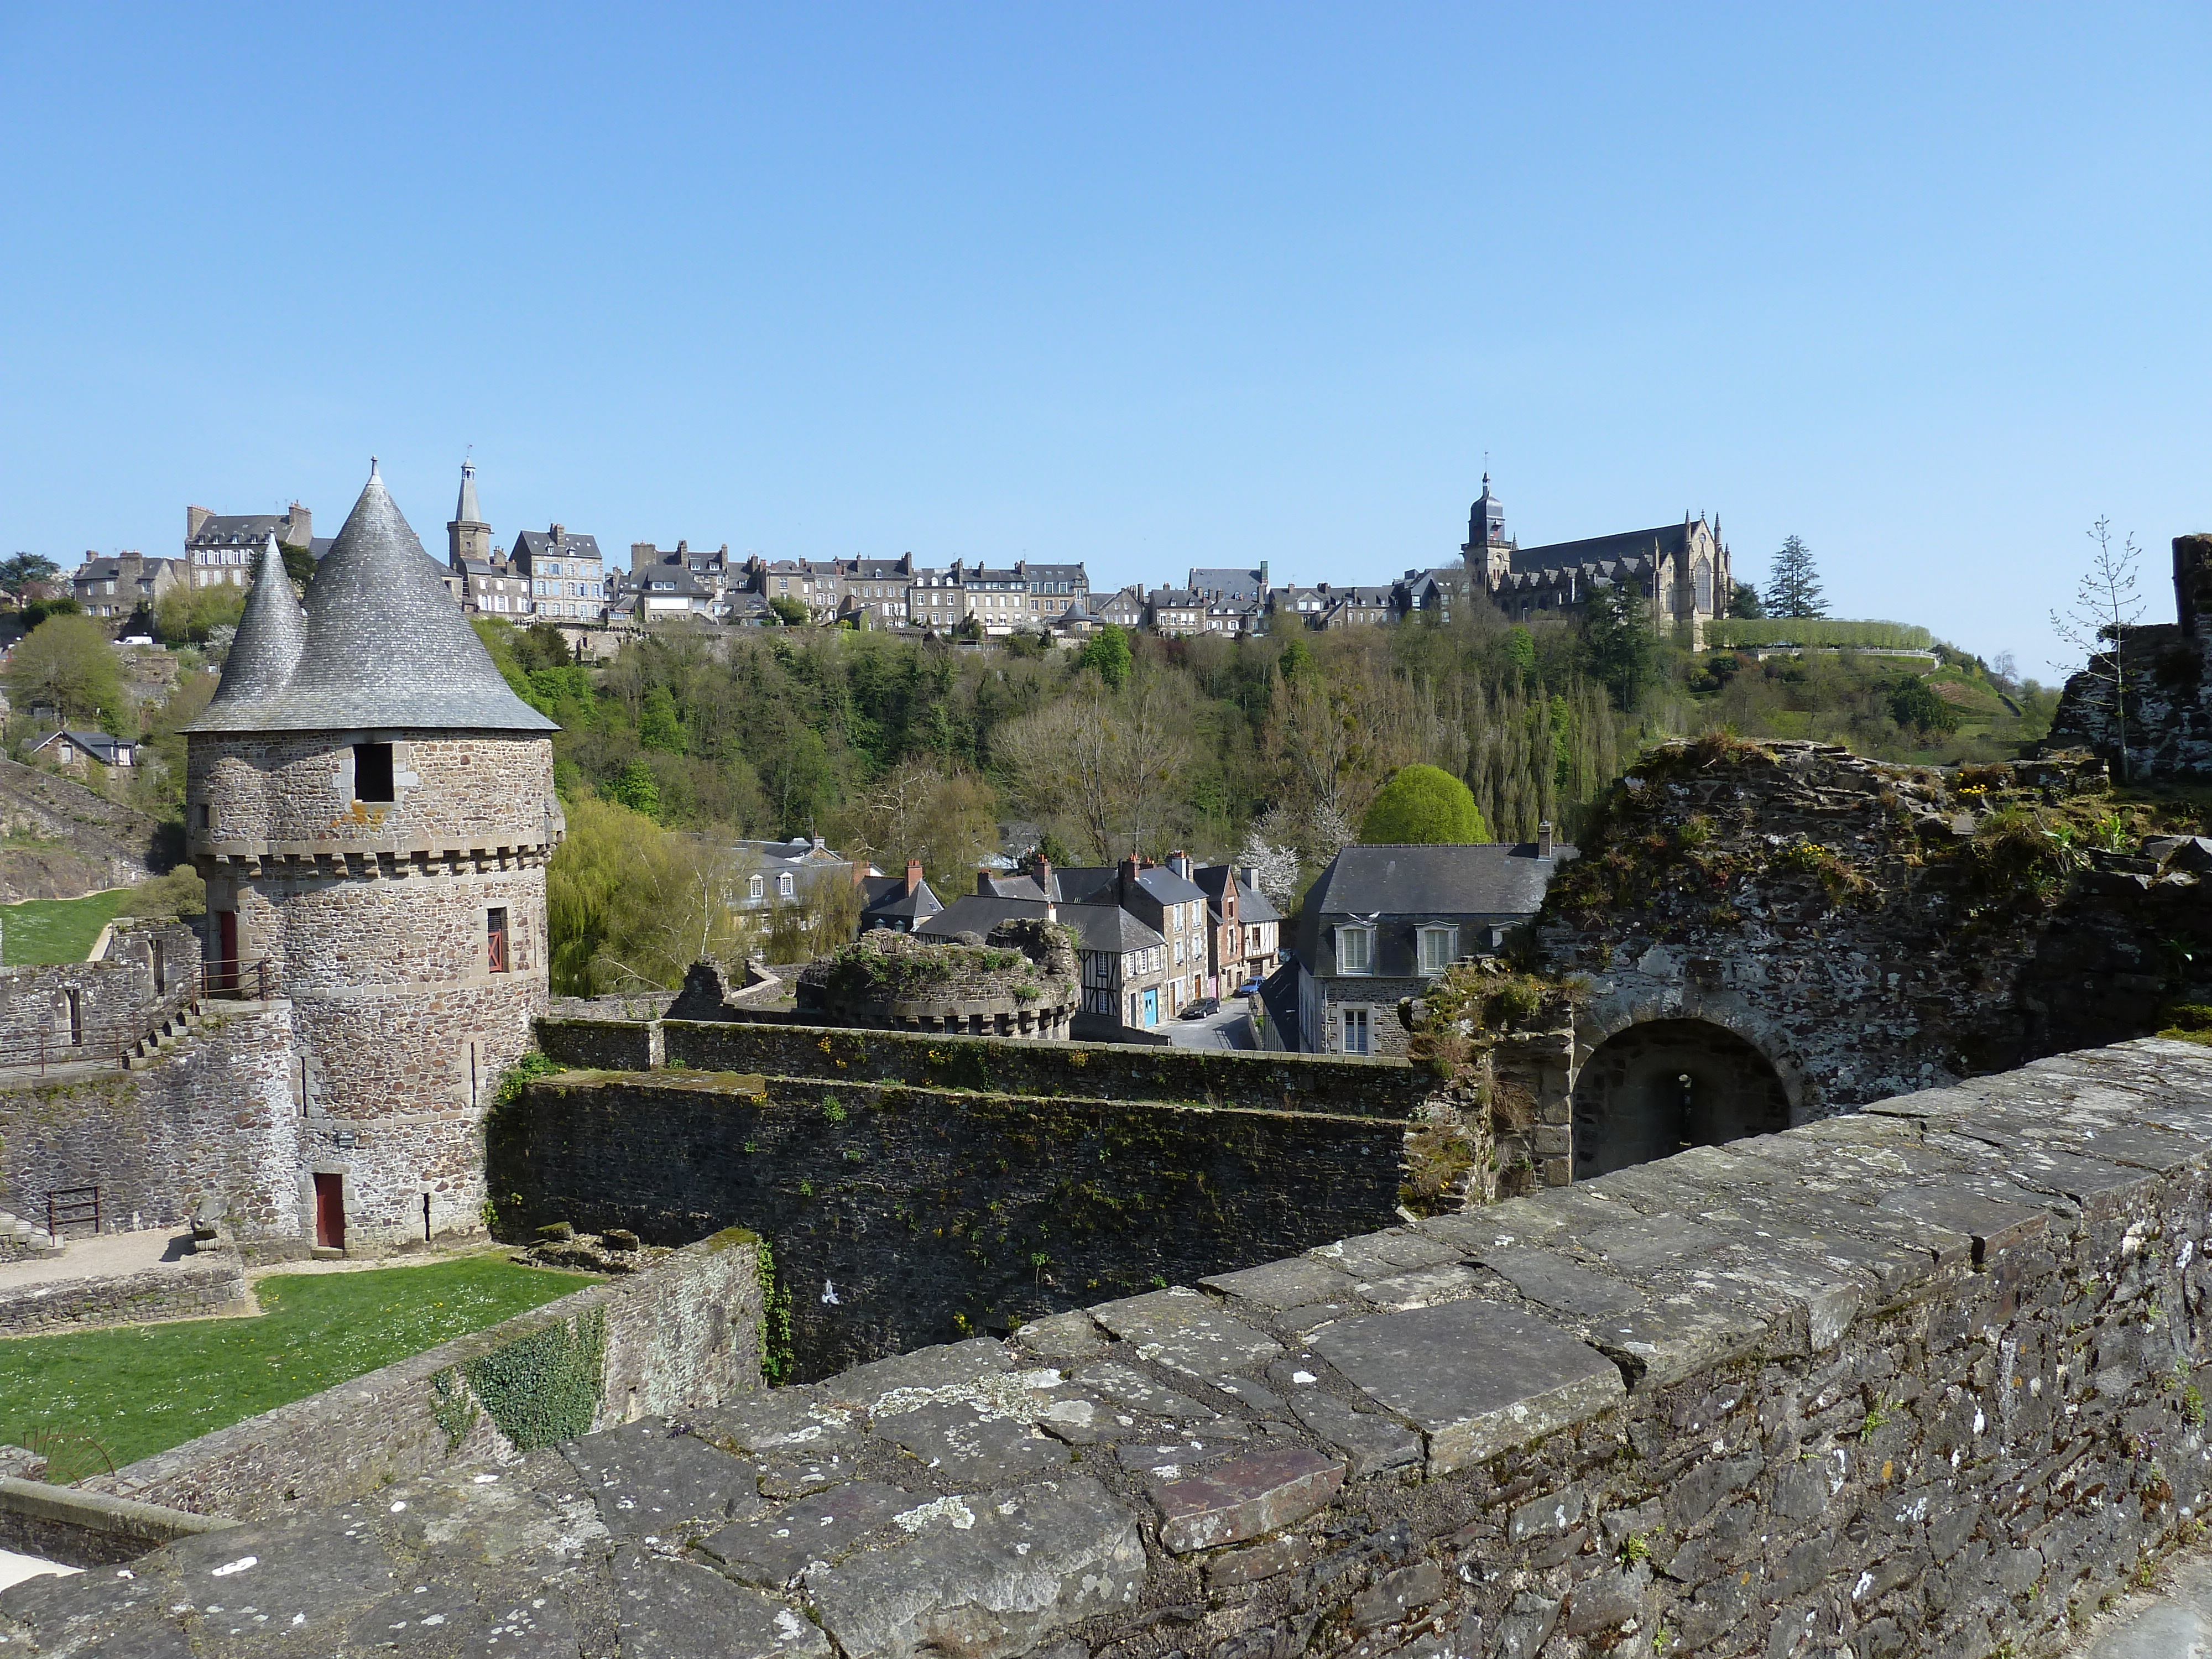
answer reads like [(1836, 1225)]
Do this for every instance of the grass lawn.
[(142, 1390), (55, 930)]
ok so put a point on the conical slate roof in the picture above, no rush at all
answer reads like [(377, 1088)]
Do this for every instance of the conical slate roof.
[(381, 645), (270, 636)]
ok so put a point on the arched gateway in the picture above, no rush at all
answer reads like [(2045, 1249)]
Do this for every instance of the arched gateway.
[(1651, 1089)]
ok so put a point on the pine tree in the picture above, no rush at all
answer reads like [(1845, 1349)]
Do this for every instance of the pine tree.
[(1794, 587)]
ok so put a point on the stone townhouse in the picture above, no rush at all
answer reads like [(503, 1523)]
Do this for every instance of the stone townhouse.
[(222, 548), (1175, 611), (564, 574), (1165, 899), (873, 593), (812, 582), (491, 587), (1430, 594), (664, 590), (1126, 609), (1242, 928), (1294, 606), (1382, 922), (1354, 607), (115, 587), (1248, 586)]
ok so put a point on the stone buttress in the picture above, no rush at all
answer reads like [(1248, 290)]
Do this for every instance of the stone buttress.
[(372, 808)]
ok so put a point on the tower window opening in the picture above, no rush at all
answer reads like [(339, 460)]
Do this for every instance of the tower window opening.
[(372, 771), (495, 939)]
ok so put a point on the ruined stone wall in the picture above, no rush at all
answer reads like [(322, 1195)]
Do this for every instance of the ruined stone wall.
[(117, 998), (213, 1122), (1927, 1379), (211, 1281), (900, 1215), (2157, 696), (1103, 1070), (1870, 929), (679, 1336)]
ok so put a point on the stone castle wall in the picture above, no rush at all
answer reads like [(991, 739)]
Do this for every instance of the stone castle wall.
[(900, 1215), (1923, 1380), (291, 795), (147, 971), (212, 1124), (678, 1336)]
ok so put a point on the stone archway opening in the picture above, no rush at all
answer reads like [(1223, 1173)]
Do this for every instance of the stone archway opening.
[(1653, 1090)]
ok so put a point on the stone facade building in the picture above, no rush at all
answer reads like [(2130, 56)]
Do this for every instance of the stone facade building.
[(223, 547), (372, 809), (1681, 571)]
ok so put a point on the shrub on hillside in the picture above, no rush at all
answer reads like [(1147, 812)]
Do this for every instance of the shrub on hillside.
[(1423, 805)]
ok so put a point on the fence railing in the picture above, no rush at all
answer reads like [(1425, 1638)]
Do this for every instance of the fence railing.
[(67, 1044), (72, 1207)]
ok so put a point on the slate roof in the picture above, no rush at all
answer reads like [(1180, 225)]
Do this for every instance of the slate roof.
[(1599, 549), (887, 896), (1252, 905), (1109, 928), (1278, 995), (1221, 584), (540, 545), (1493, 884), (98, 744), (977, 914), (383, 645), (238, 529)]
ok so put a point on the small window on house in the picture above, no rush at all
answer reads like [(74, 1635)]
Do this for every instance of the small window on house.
[(372, 771), (784, 885), (1438, 946), (1355, 950), (1355, 1030), (756, 888), (495, 939)]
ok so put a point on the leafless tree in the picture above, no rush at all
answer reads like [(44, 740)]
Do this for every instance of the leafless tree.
[(2106, 605)]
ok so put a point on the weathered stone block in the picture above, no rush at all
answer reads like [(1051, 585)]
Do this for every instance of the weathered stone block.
[(988, 1578), (682, 1610), (1231, 1502), (774, 1550), (1182, 1329), (1374, 1443), (1474, 1376), (1394, 1595), (1286, 1284)]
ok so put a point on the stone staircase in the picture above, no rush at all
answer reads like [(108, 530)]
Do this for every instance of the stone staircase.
[(21, 1240), (168, 1035)]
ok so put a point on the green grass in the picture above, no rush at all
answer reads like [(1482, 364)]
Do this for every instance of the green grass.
[(142, 1390), (55, 930)]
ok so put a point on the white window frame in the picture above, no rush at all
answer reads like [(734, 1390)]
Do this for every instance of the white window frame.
[(1443, 937), (1346, 1016), (756, 888), (784, 886), (1366, 935)]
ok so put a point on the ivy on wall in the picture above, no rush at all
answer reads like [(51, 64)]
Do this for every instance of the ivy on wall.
[(544, 1387), (451, 1408)]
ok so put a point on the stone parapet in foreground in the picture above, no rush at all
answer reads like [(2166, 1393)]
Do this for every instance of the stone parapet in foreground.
[(1926, 1379)]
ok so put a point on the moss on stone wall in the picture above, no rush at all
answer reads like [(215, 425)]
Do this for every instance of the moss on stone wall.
[(546, 1387)]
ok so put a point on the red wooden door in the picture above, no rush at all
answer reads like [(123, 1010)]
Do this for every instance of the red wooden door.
[(330, 1212), (226, 966)]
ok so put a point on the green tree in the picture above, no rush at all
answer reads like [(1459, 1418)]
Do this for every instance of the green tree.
[(1744, 604), (1107, 651), (658, 725), (189, 614), (791, 612), (636, 788), (1297, 658), (66, 664), (1423, 805), (299, 564), (19, 571), (1793, 588), (1913, 702), (1618, 648)]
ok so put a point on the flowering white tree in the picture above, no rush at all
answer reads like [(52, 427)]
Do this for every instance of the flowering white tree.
[(1274, 867)]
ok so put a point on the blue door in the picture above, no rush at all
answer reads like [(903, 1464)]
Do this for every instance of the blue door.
[(1152, 1007)]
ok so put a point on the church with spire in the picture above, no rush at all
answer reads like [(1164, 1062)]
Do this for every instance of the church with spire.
[(372, 809), (1680, 571)]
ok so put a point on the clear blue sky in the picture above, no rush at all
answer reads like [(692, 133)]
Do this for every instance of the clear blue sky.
[(1141, 286)]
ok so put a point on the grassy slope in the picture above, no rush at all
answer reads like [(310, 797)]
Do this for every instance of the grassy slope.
[(142, 1390), (55, 930)]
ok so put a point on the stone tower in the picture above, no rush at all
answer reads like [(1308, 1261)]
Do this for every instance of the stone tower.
[(373, 809), (468, 536), (1489, 554)]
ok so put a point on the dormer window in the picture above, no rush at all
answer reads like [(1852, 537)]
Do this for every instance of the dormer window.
[(1355, 950), (784, 885), (756, 888), (1439, 945)]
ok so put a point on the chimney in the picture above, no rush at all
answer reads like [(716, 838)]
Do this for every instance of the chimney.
[(303, 530), (913, 877), (859, 871), (1544, 839), (557, 534), (817, 844), (1128, 872), (1179, 862), (983, 883), (194, 517)]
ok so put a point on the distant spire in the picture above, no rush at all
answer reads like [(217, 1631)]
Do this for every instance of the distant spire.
[(467, 512)]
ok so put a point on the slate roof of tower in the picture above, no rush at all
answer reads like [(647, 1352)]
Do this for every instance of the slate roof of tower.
[(383, 645)]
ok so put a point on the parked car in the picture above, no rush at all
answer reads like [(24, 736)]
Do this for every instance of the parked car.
[(1201, 1008), (1251, 987)]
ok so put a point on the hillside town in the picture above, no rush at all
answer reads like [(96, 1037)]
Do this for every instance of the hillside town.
[(560, 576)]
